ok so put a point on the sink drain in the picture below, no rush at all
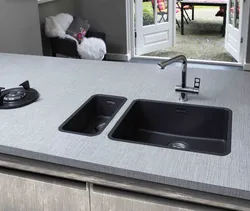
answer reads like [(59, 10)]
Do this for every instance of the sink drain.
[(178, 145), (100, 126)]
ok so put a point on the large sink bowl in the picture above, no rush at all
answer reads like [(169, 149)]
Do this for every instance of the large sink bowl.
[(194, 128)]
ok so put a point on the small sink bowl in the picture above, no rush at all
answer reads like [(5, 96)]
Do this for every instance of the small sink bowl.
[(93, 116), (187, 127)]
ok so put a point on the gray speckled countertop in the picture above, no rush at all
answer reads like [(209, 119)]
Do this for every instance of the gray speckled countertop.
[(65, 84)]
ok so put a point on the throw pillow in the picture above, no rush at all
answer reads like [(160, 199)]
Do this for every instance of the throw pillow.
[(78, 29)]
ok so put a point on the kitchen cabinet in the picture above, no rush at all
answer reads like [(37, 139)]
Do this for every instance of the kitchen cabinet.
[(110, 199), (22, 191)]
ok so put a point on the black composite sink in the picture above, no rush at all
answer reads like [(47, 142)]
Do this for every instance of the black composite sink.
[(94, 115), (178, 126)]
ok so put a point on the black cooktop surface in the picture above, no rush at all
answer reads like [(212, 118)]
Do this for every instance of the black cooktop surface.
[(17, 97)]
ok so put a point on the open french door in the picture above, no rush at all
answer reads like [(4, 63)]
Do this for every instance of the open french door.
[(155, 29), (234, 32)]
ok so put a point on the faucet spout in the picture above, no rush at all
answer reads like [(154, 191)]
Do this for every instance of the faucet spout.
[(165, 63), (181, 58), (183, 89)]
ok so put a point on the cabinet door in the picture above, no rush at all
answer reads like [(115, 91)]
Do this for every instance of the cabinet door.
[(110, 199), (30, 192)]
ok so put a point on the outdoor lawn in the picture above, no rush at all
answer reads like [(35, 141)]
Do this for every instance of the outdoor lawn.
[(202, 39)]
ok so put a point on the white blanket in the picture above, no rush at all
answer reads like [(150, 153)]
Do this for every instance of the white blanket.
[(90, 48)]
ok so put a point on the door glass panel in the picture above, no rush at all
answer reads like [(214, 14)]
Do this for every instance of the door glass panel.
[(148, 12), (237, 14), (154, 11), (231, 11), (162, 11)]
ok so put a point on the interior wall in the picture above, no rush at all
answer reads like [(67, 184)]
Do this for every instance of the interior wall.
[(108, 16), (54, 7), (19, 27), (51, 9), (248, 42)]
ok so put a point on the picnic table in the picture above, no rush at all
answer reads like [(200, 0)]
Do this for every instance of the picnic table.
[(219, 3)]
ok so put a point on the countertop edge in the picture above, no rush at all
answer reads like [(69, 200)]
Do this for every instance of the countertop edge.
[(52, 159)]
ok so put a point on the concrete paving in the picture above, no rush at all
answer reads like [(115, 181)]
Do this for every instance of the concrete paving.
[(202, 39)]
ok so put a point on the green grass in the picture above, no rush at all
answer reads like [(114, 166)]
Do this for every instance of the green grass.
[(147, 6), (148, 14)]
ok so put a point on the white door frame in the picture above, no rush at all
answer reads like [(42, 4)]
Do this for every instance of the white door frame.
[(130, 19), (245, 22), (131, 39)]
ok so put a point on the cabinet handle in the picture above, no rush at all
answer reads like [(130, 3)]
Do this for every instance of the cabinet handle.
[(124, 193), (127, 194)]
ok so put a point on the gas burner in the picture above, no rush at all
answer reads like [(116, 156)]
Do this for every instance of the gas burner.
[(17, 97), (15, 94)]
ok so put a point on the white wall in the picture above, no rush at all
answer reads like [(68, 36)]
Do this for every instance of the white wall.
[(54, 7), (19, 27), (107, 16), (248, 45)]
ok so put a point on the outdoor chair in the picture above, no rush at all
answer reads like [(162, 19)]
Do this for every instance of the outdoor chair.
[(186, 7), (162, 10)]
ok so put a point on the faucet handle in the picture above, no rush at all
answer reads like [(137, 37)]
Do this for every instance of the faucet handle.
[(197, 82)]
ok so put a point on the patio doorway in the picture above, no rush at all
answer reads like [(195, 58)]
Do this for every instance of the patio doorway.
[(202, 40)]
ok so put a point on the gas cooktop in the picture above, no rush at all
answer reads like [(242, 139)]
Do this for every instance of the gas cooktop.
[(17, 97)]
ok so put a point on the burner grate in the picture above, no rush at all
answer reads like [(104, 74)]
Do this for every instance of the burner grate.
[(17, 97)]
